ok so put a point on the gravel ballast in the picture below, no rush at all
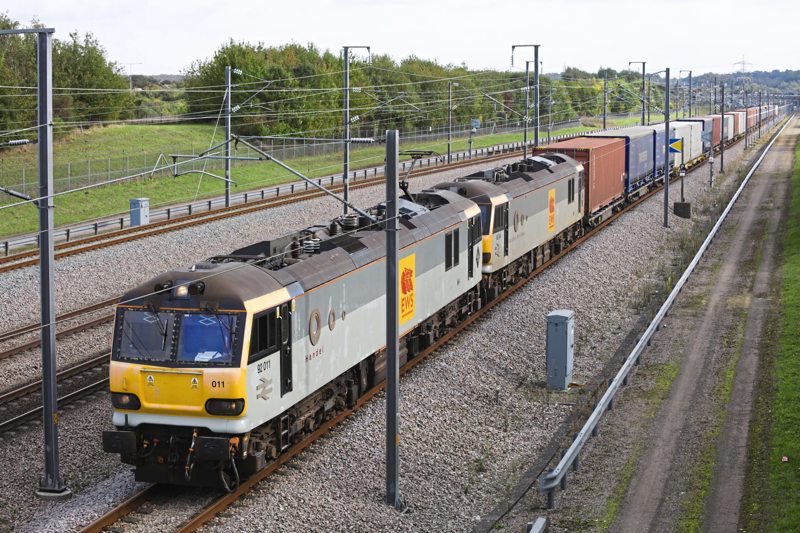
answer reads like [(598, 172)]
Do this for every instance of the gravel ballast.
[(472, 417)]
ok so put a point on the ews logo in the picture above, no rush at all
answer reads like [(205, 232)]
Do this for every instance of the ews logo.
[(407, 286)]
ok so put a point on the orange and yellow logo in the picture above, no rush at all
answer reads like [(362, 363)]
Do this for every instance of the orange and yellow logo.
[(407, 286), (551, 210)]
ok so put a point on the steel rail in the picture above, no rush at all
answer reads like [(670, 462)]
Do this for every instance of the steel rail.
[(36, 386), (554, 478), (32, 345), (30, 328), (120, 511), (36, 412)]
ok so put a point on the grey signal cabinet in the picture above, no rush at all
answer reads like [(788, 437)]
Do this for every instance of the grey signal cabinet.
[(560, 347), (140, 211)]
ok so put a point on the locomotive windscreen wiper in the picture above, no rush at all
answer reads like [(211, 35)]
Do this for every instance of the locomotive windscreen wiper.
[(161, 327)]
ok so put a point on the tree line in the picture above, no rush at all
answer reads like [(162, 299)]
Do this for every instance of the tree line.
[(297, 90), (87, 82)]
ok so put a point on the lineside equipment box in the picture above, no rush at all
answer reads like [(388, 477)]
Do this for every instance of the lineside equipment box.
[(560, 347)]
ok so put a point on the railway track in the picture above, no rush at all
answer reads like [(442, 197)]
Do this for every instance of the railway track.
[(95, 242), (29, 329), (210, 511), (23, 404)]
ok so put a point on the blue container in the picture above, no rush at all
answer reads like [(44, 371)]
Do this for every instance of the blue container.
[(659, 147), (639, 146)]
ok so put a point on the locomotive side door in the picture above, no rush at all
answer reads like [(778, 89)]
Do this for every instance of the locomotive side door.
[(472, 228), (285, 319), (505, 229)]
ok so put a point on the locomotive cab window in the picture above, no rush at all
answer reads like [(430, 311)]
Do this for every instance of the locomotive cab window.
[(571, 191), (486, 218), (170, 338), (146, 336), (206, 338), (265, 337)]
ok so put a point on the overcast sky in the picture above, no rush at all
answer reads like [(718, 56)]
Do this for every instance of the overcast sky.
[(165, 36)]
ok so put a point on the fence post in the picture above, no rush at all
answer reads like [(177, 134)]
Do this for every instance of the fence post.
[(89, 173)]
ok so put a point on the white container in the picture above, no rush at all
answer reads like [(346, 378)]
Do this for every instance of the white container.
[(692, 135)]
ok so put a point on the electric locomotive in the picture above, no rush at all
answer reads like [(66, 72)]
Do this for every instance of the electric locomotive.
[(218, 368)]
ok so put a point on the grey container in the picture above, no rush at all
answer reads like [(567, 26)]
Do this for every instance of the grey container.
[(560, 347), (140, 211)]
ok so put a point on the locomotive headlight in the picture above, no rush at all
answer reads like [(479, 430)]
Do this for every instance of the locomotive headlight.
[(225, 407), (181, 291), (125, 401)]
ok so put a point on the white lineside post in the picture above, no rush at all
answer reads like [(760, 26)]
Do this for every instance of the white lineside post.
[(227, 136)]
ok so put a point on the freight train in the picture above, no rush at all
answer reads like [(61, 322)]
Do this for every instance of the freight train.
[(219, 367)]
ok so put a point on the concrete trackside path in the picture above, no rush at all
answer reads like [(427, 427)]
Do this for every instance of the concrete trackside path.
[(717, 332)]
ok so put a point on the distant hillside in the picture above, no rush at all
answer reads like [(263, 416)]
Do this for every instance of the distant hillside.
[(170, 78)]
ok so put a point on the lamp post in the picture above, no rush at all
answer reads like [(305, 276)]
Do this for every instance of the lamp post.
[(346, 162), (643, 76), (666, 146), (525, 117), (666, 151), (450, 85), (690, 90)]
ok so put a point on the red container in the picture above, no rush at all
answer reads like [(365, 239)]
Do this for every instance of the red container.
[(603, 166), (752, 117), (716, 132)]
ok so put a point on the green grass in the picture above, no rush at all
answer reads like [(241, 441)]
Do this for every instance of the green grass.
[(784, 478), (141, 144), (101, 143)]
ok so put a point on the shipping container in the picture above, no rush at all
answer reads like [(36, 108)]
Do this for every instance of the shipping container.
[(728, 127), (692, 135), (660, 141), (706, 127), (739, 118), (752, 117), (639, 162), (604, 169)]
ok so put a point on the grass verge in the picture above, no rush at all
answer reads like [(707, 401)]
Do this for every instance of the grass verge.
[(783, 478)]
